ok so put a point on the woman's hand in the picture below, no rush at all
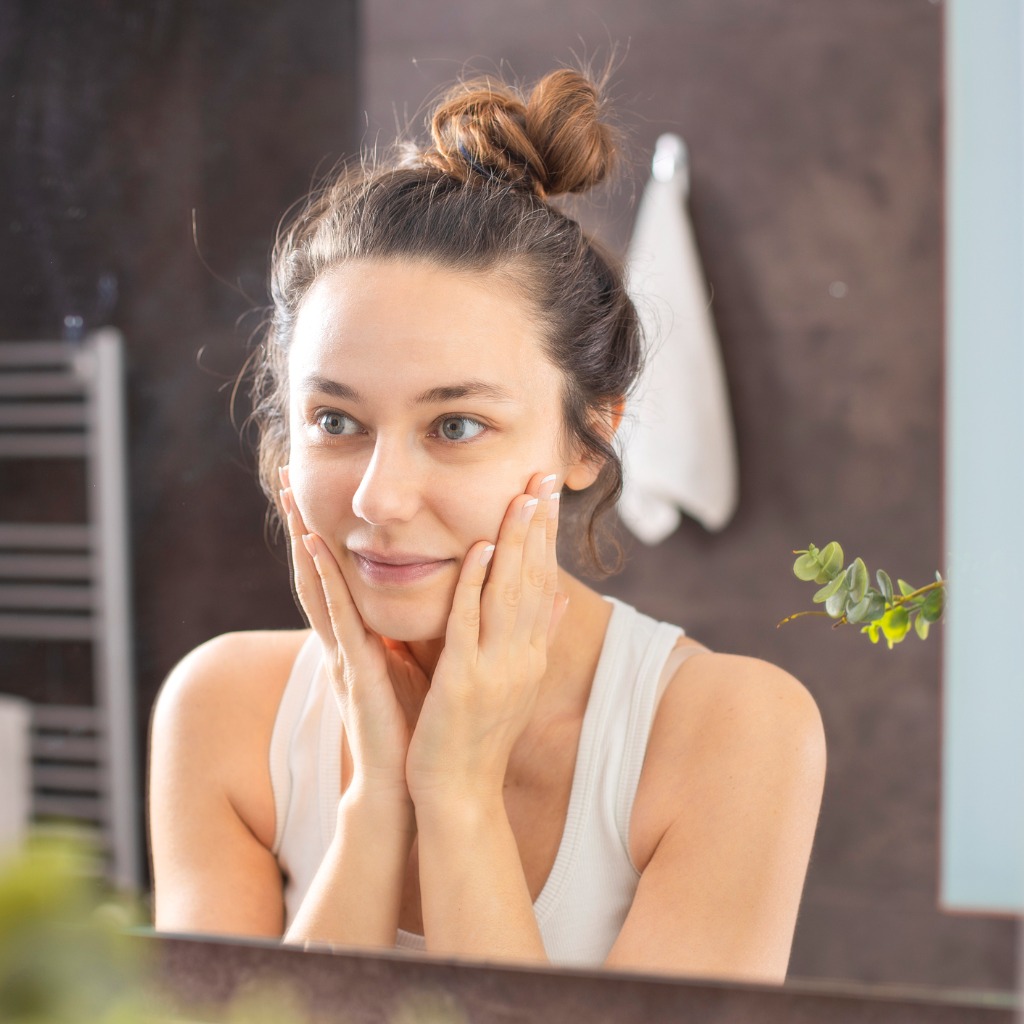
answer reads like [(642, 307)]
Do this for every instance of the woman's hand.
[(486, 682), (378, 686)]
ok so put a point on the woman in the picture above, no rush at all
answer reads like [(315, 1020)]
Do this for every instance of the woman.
[(470, 751)]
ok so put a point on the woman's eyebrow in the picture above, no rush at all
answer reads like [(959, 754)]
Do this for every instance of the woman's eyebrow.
[(314, 382), (443, 393), (466, 389)]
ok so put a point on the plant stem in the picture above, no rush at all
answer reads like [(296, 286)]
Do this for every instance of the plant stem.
[(916, 593), (897, 601), (796, 615)]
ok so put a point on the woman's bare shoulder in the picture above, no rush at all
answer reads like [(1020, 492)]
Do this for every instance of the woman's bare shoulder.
[(718, 707), (731, 685), (212, 724), (727, 716), (218, 704), (255, 661)]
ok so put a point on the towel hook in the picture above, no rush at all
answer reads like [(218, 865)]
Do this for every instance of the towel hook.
[(671, 159)]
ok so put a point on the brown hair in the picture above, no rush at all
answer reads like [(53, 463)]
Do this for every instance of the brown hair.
[(475, 199)]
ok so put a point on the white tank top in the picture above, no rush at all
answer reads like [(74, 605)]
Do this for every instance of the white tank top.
[(590, 889)]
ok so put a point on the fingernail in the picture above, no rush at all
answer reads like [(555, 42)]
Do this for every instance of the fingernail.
[(556, 496), (282, 472), (310, 542), (529, 508), (286, 500), (547, 485), (485, 555)]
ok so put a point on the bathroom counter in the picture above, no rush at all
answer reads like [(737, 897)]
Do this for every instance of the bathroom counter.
[(359, 987)]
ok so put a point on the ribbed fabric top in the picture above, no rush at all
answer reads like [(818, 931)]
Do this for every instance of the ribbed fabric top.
[(590, 888)]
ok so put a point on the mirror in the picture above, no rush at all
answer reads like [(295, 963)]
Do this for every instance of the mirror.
[(150, 155)]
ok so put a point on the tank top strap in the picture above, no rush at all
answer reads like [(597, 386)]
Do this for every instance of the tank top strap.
[(592, 882), (656, 661), (290, 714)]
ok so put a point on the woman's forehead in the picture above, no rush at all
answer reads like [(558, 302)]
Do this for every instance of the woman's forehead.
[(425, 326)]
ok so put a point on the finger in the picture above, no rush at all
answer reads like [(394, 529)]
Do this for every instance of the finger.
[(346, 623), (283, 474), (542, 626), (463, 631), (539, 583), (503, 593), (321, 587), (308, 588), (561, 603)]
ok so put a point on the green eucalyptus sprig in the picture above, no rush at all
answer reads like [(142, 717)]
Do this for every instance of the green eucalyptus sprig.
[(850, 599)]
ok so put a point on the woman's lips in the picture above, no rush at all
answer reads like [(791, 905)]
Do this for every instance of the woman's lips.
[(384, 573)]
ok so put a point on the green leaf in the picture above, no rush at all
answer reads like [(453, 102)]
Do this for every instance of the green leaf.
[(872, 631), (806, 568), (836, 604), (831, 560), (872, 606), (830, 588), (905, 587), (857, 575), (921, 626), (931, 610), (885, 584), (895, 624)]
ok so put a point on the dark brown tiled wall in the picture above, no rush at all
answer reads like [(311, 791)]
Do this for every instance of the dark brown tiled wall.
[(816, 134), (122, 125)]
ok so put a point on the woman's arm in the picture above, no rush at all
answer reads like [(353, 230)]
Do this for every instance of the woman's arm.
[(212, 818), (475, 897), (211, 812), (355, 896), (724, 820)]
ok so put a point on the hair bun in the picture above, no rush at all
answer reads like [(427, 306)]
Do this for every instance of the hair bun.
[(554, 142)]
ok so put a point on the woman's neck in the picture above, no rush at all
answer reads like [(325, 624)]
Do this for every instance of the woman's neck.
[(426, 654)]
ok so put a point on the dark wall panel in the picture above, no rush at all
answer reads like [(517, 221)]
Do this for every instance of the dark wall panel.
[(146, 154)]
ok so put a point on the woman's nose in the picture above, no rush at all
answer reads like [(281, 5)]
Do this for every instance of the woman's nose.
[(389, 490)]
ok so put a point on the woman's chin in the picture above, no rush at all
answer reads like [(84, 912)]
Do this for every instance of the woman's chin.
[(412, 624)]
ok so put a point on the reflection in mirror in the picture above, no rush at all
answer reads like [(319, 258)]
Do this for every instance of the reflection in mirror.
[(470, 749), (151, 153)]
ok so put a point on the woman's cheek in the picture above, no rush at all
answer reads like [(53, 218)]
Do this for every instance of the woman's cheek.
[(482, 509), (318, 497)]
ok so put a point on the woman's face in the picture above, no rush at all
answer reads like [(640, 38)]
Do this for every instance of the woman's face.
[(420, 404)]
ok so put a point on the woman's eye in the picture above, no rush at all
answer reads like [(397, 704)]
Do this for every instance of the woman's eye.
[(459, 428), (337, 423)]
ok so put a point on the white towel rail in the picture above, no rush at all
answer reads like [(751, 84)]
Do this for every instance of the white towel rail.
[(70, 581)]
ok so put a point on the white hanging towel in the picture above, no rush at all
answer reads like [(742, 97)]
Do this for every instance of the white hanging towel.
[(679, 445)]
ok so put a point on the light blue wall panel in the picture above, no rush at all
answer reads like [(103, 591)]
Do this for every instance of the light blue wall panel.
[(983, 729)]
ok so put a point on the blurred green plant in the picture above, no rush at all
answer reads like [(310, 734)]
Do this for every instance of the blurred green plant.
[(850, 599), (66, 956)]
